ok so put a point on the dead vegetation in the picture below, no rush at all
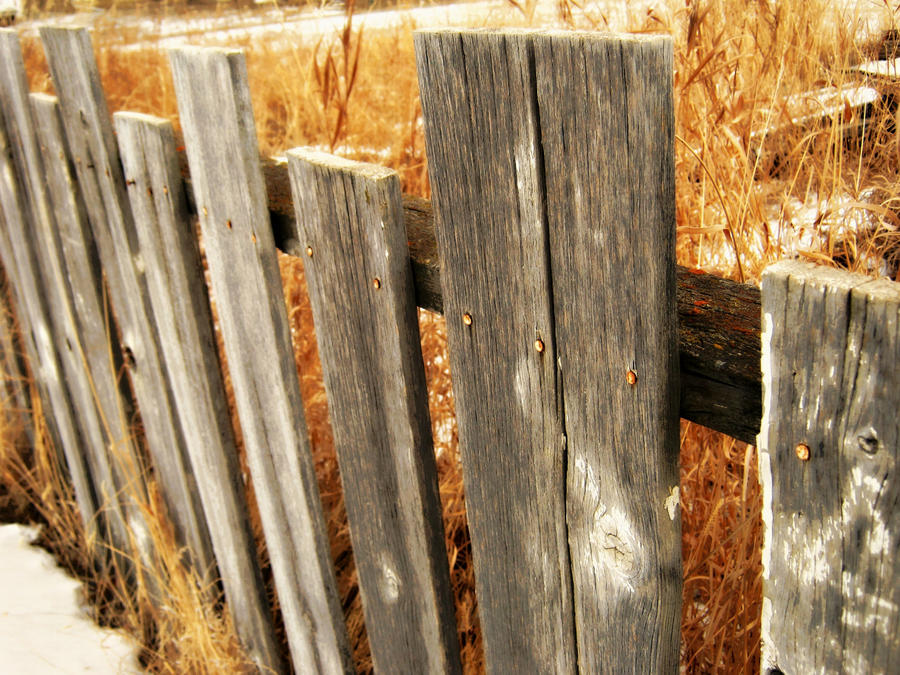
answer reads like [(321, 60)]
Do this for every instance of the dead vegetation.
[(756, 181)]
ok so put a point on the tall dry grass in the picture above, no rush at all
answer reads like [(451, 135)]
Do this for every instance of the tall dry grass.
[(752, 186)]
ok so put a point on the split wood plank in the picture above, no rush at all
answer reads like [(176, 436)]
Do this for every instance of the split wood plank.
[(90, 135), (540, 295), (20, 262), (828, 453), (180, 303), (607, 132), (350, 219), (220, 136), (481, 121)]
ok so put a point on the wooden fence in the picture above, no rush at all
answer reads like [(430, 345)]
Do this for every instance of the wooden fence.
[(575, 344)]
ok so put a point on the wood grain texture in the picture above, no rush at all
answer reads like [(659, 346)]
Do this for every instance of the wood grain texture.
[(831, 344), (216, 115), (98, 167), (350, 215), (552, 167), (180, 304), (718, 319), (481, 126), (20, 262), (607, 133), (85, 329)]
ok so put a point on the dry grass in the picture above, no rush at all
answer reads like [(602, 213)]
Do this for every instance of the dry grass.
[(745, 173)]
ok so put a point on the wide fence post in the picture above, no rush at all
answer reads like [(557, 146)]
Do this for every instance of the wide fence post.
[(552, 167), (180, 302), (90, 137), (827, 464), (220, 137), (350, 223)]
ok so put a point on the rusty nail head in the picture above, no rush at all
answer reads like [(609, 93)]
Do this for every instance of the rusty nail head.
[(802, 451), (539, 345), (467, 319), (631, 377), (228, 224), (165, 189), (205, 211), (309, 251), (376, 283)]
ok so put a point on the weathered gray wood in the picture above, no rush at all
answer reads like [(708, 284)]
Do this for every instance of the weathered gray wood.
[(90, 136), (607, 132), (181, 306), (828, 453), (552, 165), (481, 133), (20, 263), (217, 119), (718, 318), (350, 216)]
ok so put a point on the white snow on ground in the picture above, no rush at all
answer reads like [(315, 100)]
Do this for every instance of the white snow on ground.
[(43, 628)]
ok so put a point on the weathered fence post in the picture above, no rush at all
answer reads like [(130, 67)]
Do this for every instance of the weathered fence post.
[(91, 140), (220, 137), (183, 317), (20, 262), (350, 223), (552, 167), (827, 463)]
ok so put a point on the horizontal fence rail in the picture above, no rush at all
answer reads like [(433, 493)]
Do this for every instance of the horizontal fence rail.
[(718, 319)]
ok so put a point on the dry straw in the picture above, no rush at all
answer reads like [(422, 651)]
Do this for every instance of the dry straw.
[(764, 170)]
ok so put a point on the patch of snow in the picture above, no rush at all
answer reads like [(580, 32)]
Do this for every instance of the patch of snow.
[(43, 626)]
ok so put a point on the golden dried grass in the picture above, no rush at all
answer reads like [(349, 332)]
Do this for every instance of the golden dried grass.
[(743, 172)]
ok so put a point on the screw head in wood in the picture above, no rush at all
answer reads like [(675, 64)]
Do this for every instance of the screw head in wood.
[(802, 451), (376, 283), (467, 319), (539, 345), (631, 377)]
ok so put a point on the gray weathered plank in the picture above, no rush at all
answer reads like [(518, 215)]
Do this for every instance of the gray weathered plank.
[(350, 216), (607, 132), (90, 136), (481, 131), (20, 262), (181, 306), (100, 431), (546, 153), (216, 115), (828, 453)]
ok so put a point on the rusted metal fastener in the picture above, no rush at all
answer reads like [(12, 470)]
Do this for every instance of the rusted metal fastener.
[(376, 283), (309, 251), (802, 451), (631, 377), (539, 345), (467, 319)]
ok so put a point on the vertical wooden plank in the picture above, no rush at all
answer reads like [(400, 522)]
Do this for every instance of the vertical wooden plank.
[(90, 136), (217, 119), (19, 262), (484, 162), (105, 429), (827, 461), (571, 464), (350, 215), (608, 135), (181, 306)]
